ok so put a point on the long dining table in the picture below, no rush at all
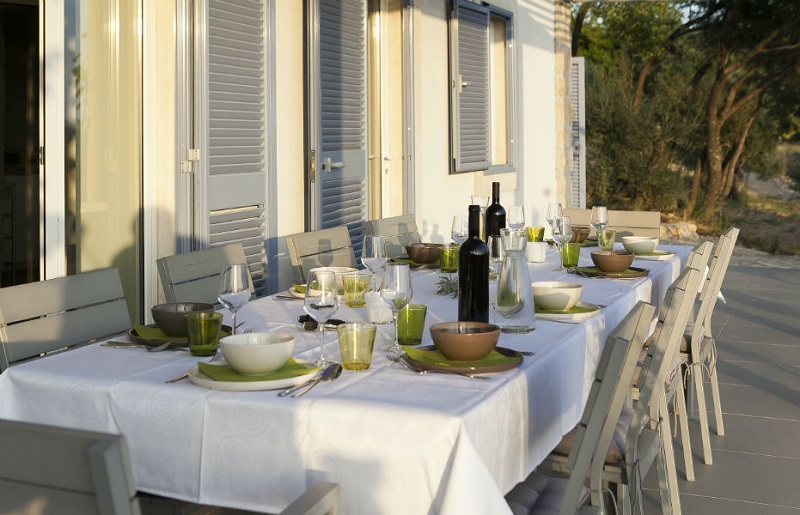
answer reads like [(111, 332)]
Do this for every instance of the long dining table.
[(395, 441)]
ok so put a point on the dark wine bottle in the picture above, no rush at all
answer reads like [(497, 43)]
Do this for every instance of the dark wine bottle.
[(473, 273), (495, 213)]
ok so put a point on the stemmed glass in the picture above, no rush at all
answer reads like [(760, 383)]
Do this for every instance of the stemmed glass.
[(321, 302), (234, 290), (373, 255), (599, 219), (496, 254), (396, 292), (516, 217), (562, 234), (460, 230), (553, 212)]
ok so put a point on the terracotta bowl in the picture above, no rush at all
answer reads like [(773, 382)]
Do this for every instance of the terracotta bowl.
[(171, 317), (556, 295), (612, 261), (465, 341), (424, 253), (579, 233)]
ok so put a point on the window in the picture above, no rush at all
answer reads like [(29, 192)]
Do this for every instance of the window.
[(482, 93)]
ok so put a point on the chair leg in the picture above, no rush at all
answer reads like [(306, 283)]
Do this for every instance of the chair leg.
[(669, 497), (715, 397), (702, 415), (679, 401)]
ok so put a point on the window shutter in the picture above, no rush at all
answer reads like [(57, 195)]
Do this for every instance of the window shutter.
[(577, 175), (469, 82), (232, 168)]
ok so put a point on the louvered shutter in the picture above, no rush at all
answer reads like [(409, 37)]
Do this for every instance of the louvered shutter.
[(231, 177), (341, 76), (577, 174), (469, 81)]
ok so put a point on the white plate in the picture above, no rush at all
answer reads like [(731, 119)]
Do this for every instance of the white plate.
[(572, 316), (656, 255), (200, 379)]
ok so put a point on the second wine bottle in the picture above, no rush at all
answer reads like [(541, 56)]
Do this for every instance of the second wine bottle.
[(495, 213)]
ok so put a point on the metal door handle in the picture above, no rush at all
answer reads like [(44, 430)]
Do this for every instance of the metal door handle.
[(329, 166)]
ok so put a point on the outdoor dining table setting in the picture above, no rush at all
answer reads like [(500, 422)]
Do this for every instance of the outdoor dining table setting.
[(395, 437)]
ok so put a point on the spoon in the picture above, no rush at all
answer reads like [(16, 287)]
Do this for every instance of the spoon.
[(330, 373)]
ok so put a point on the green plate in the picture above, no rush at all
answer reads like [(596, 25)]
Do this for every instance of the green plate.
[(413, 264), (631, 273)]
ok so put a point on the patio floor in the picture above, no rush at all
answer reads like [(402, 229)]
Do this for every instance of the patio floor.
[(756, 467)]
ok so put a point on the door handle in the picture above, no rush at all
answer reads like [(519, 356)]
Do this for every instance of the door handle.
[(329, 166)]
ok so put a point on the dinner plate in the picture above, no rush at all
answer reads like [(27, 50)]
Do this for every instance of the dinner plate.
[(471, 369), (404, 258), (179, 341), (573, 314), (200, 379), (302, 295), (631, 273), (656, 255)]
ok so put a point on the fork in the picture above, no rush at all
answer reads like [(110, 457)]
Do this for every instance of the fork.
[(214, 359), (400, 358)]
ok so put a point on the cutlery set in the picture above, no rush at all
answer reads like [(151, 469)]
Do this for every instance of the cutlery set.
[(327, 375)]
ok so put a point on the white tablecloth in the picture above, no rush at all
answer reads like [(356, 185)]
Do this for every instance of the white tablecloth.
[(396, 442)]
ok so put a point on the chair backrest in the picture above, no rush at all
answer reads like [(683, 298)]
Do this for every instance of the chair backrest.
[(45, 469), (606, 398), (194, 276), (626, 223), (57, 314), (658, 362), (326, 247), (397, 231), (712, 285)]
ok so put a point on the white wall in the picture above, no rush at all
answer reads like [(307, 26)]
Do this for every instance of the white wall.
[(438, 194)]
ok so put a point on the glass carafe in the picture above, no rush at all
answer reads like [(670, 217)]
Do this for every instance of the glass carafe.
[(514, 311)]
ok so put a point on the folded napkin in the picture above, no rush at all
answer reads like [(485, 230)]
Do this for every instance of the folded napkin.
[(299, 288), (407, 260), (574, 310), (156, 334), (434, 357), (226, 373)]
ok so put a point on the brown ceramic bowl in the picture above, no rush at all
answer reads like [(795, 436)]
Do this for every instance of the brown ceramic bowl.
[(579, 233), (171, 317), (612, 261), (423, 253), (465, 341)]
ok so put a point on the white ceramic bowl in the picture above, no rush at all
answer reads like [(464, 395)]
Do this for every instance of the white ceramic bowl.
[(338, 271), (639, 244), (556, 295), (257, 353)]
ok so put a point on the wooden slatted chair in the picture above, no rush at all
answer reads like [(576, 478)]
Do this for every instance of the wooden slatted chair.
[(397, 231), (45, 469), (626, 223), (194, 276), (700, 353), (593, 435), (326, 247), (59, 314)]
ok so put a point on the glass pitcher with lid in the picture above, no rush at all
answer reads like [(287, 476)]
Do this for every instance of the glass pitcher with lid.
[(514, 310)]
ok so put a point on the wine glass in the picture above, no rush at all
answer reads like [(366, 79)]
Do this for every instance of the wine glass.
[(496, 253), (516, 217), (321, 302), (460, 229), (483, 202), (234, 290), (553, 212), (599, 219), (373, 255), (562, 234), (396, 292)]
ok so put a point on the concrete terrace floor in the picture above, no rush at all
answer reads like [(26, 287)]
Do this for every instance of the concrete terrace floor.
[(756, 467)]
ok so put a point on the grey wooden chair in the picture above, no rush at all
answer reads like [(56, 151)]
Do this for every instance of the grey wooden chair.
[(58, 314), (194, 276), (700, 353), (397, 231), (591, 438), (326, 247), (53, 470), (626, 223)]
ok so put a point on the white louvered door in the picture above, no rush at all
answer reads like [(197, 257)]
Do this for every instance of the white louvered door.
[(230, 178), (577, 175), (337, 81)]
